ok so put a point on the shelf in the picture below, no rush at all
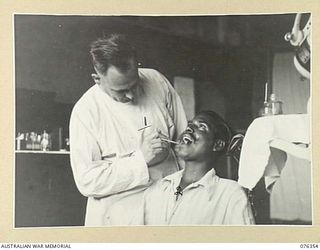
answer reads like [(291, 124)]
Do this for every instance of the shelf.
[(42, 152)]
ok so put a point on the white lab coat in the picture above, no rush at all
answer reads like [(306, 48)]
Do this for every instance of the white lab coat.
[(105, 141)]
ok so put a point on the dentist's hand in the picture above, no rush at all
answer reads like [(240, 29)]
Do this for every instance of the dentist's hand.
[(153, 149)]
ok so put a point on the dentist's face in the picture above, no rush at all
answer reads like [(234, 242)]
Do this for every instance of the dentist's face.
[(121, 86)]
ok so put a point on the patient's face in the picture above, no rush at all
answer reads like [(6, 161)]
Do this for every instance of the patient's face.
[(196, 142)]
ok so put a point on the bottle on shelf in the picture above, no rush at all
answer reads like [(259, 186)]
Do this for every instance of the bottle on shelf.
[(33, 138), (19, 139), (271, 107), (67, 144), (38, 142), (266, 109), (28, 141), (276, 106), (44, 141), (23, 142)]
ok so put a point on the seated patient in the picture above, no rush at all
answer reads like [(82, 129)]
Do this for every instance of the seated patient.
[(196, 195)]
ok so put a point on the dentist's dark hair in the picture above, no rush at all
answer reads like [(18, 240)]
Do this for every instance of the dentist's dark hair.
[(112, 50)]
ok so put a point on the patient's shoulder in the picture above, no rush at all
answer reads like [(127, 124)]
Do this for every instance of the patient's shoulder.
[(157, 186), (230, 186)]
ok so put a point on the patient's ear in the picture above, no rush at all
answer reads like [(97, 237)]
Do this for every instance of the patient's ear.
[(218, 145), (95, 78)]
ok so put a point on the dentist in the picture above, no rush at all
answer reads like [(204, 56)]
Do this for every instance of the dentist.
[(116, 129)]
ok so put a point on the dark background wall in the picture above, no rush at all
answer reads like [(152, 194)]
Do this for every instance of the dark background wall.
[(223, 54), (229, 58)]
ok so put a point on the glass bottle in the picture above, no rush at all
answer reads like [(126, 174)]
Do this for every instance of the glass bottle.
[(19, 139), (276, 106), (28, 141), (44, 141)]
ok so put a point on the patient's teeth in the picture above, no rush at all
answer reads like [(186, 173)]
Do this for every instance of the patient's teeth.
[(187, 140)]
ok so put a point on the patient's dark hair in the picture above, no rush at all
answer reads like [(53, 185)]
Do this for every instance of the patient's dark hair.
[(221, 129), (112, 50)]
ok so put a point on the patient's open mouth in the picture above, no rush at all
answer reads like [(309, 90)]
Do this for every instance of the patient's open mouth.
[(187, 139)]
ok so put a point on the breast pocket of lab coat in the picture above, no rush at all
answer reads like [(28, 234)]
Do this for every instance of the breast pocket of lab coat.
[(117, 140)]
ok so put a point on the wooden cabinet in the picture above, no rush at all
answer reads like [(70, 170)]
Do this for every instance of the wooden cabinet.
[(45, 191)]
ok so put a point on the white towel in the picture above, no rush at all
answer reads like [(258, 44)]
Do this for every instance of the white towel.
[(255, 152)]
